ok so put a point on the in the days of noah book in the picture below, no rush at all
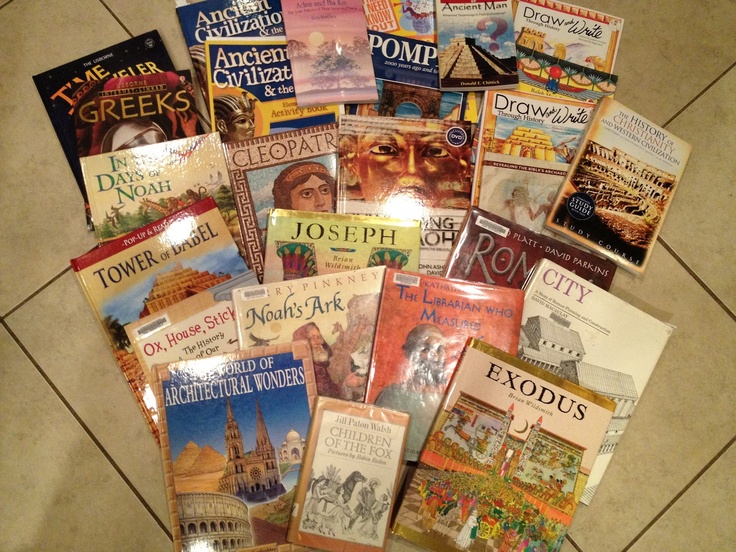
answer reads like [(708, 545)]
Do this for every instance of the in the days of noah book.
[(233, 430), (158, 265), (584, 334), (506, 459), (620, 186), (349, 479)]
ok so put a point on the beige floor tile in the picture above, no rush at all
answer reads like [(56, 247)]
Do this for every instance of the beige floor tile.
[(58, 490)]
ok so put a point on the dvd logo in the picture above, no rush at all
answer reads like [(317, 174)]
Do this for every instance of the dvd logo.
[(391, 48), (456, 136)]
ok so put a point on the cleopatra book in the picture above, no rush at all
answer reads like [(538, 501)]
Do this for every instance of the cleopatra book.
[(506, 460), (233, 431)]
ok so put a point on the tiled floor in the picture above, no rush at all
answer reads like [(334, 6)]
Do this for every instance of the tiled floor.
[(78, 468)]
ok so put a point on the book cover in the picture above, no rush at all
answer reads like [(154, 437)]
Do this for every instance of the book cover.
[(335, 312), (408, 168), (349, 477), (289, 170), (61, 86), (251, 89), (233, 431), (566, 50), (620, 186), (589, 336), (157, 265), (493, 250), (507, 458), (476, 45), (423, 324), (329, 52), (302, 243)]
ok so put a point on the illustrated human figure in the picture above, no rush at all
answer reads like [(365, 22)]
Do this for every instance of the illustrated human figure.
[(467, 534), (305, 186), (366, 497), (321, 355)]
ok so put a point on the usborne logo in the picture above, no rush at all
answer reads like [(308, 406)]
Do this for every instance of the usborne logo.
[(580, 206), (456, 136)]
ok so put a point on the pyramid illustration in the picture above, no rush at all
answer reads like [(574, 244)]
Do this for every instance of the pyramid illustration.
[(464, 59)]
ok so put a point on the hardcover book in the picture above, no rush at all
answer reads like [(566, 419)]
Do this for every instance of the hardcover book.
[(506, 460), (349, 480), (329, 52), (423, 324), (335, 312), (493, 250), (233, 431), (620, 186), (160, 264), (289, 170), (61, 86), (251, 89), (586, 335), (408, 168), (302, 243), (476, 46)]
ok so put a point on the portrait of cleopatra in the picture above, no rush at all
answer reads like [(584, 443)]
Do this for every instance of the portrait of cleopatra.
[(305, 186)]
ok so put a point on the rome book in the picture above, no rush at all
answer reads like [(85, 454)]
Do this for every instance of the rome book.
[(423, 324), (233, 430), (335, 312), (348, 484), (475, 43), (61, 86), (304, 243), (494, 250), (506, 460), (251, 89), (620, 186), (329, 52), (408, 168), (151, 268), (295, 169), (587, 335)]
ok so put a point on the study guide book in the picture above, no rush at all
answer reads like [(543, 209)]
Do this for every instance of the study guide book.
[(589, 336), (159, 264), (423, 324), (349, 479), (506, 460), (233, 430), (620, 186)]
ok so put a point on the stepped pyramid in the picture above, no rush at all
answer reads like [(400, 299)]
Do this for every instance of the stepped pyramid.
[(526, 142), (464, 59)]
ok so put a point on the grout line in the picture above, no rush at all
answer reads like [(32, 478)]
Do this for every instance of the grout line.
[(116, 18), (86, 429), (697, 96), (37, 292)]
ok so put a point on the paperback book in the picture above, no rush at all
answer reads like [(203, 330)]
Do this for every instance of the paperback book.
[(159, 264), (476, 46), (493, 250), (303, 243), (289, 170), (349, 479), (423, 324), (408, 168), (61, 87), (506, 460), (233, 431), (335, 312), (620, 186), (589, 336)]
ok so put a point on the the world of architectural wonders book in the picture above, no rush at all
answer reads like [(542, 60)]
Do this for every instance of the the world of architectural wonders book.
[(233, 430), (589, 336), (349, 479), (158, 265), (620, 186), (506, 459)]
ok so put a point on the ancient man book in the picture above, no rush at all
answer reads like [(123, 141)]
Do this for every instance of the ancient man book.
[(493, 250), (349, 480), (305, 243), (233, 430), (589, 336), (423, 324), (475, 41), (159, 264), (335, 312), (506, 460), (620, 186), (61, 87), (296, 169)]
